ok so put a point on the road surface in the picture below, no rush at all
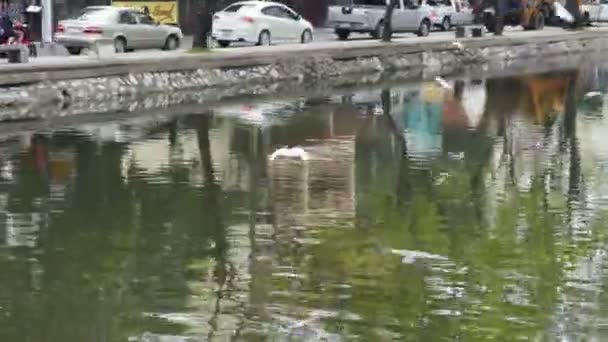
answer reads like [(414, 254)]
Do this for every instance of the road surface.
[(323, 38)]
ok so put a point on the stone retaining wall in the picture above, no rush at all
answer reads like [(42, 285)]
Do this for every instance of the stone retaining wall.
[(156, 90)]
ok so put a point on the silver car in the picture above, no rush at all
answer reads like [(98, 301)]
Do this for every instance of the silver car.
[(367, 16), (127, 29), (451, 13)]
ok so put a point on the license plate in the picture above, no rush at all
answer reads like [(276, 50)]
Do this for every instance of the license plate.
[(344, 25)]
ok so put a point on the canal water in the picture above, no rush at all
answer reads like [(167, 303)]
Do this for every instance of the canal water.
[(458, 210)]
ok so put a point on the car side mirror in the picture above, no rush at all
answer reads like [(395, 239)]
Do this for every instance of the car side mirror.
[(298, 17)]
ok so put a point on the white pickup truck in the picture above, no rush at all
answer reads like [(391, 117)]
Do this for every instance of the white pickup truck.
[(367, 16), (451, 13)]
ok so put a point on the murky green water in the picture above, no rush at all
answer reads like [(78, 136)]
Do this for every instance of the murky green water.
[(474, 212)]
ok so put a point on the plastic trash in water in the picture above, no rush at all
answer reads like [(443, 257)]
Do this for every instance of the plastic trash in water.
[(593, 94), (409, 257)]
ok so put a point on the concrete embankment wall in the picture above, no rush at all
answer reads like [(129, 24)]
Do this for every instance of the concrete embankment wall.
[(127, 85)]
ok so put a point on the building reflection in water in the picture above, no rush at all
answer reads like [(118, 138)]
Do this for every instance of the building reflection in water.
[(423, 212)]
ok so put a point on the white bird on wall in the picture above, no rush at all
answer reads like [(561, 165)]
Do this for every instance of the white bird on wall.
[(443, 83), (286, 152), (458, 45)]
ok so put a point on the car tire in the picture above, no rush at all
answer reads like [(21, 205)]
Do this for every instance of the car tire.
[(343, 34), (446, 24), (264, 39), (171, 44), (306, 37), (424, 29), (75, 51), (223, 43), (120, 45)]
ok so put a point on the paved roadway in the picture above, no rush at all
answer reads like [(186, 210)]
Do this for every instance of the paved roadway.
[(323, 38)]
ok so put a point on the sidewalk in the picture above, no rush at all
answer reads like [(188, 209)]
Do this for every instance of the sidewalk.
[(58, 68)]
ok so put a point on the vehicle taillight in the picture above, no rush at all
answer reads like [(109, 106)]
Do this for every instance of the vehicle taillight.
[(216, 17), (60, 28), (248, 19), (93, 30)]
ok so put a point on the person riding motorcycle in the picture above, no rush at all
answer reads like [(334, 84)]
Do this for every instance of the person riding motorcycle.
[(7, 31)]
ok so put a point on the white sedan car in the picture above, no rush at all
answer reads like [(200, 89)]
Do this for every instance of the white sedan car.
[(261, 23)]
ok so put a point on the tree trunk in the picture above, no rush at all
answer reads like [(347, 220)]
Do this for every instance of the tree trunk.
[(387, 33), (500, 11), (205, 18)]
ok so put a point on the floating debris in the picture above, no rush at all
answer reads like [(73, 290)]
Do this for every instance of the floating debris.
[(409, 257), (593, 94)]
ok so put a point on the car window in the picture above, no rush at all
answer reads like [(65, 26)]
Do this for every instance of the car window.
[(95, 14), (286, 13), (126, 18), (272, 11), (237, 7), (370, 2), (144, 19), (411, 4)]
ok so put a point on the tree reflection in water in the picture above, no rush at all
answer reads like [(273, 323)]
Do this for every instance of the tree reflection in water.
[(479, 228)]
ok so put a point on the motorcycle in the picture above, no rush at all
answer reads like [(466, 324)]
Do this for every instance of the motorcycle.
[(20, 36)]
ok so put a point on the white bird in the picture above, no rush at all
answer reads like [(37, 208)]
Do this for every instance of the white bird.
[(458, 45), (289, 153), (443, 83)]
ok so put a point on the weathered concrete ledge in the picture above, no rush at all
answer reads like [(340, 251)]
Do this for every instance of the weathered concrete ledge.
[(133, 109), (129, 84)]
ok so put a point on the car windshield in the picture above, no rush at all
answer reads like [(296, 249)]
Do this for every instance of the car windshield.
[(361, 2), (237, 7), (95, 14)]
